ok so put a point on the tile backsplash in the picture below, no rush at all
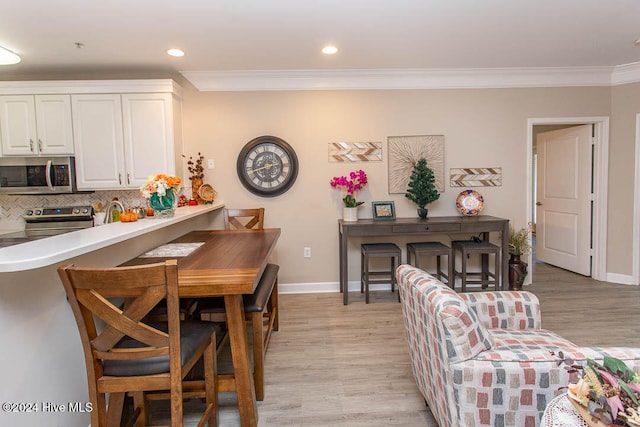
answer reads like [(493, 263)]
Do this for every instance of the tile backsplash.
[(12, 207)]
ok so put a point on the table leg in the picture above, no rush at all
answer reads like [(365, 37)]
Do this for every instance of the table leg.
[(344, 270), (505, 256), (241, 362)]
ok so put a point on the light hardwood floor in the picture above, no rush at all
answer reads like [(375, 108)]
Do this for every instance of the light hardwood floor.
[(336, 365)]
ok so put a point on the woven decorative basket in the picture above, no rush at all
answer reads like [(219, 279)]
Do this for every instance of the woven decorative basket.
[(207, 193)]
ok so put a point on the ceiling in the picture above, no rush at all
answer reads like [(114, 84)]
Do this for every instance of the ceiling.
[(268, 35)]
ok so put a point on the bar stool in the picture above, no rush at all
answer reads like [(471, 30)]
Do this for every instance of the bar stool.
[(437, 249), (476, 246), (378, 250)]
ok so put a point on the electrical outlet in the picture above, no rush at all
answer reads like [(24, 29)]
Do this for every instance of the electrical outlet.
[(307, 252), (210, 164)]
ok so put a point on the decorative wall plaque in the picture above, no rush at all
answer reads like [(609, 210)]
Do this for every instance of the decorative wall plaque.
[(475, 177), (355, 152), (405, 151)]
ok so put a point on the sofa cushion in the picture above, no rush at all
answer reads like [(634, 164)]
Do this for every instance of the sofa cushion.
[(465, 336), (531, 345)]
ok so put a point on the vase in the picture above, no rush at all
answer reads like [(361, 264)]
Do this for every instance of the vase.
[(350, 214), (423, 213), (196, 183), (163, 206), (517, 272)]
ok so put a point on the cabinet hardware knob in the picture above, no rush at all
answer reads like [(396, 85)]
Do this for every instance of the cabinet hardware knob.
[(120, 178), (31, 145), (39, 144)]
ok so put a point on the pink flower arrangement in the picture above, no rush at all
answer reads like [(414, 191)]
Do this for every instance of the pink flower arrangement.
[(356, 181)]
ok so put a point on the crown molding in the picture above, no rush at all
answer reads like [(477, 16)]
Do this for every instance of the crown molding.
[(471, 78), (625, 74), (41, 87)]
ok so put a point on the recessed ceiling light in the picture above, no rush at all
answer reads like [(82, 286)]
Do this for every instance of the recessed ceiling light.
[(7, 57), (175, 52), (329, 50)]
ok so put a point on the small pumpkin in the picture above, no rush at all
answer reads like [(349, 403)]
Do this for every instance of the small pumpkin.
[(128, 216)]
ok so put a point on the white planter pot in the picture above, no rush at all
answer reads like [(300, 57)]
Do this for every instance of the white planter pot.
[(350, 214)]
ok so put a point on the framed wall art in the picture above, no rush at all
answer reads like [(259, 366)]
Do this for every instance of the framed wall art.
[(383, 210), (405, 151)]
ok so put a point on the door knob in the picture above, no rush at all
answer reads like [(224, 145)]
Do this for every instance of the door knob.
[(538, 203)]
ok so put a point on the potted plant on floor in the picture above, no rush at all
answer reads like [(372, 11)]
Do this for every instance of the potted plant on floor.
[(519, 245), (422, 187)]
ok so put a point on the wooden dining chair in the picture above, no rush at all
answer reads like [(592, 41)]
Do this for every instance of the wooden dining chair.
[(125, 355), (240, 219), (261, 307)]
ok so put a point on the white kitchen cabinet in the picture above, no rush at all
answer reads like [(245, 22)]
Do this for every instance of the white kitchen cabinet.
[(121, 139), (148, 136), (36, 125), (97, 128)]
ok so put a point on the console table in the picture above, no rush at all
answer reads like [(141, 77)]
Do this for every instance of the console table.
[(481, 224)]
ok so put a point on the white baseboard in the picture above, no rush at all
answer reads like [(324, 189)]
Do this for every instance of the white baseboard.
[(623, 279), (324, 287)]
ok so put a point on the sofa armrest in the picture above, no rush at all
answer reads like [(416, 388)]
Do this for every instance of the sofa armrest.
[(505, 309)]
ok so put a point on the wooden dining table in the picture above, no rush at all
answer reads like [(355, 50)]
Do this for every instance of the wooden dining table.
[(225, 263)]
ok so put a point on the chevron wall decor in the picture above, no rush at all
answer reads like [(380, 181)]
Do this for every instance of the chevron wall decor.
[(475, 177), (355, 151)]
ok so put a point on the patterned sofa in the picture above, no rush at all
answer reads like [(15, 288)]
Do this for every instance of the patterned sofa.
[(482, 359)]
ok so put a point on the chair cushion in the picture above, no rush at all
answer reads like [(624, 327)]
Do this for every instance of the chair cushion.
[(254, 303), (193, 335)]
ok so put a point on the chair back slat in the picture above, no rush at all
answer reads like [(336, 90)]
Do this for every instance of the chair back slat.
[(240, 219), (131, 353), (121, 281), (123, 323)]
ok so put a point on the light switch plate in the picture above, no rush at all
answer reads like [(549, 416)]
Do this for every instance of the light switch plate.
[(210, 164)]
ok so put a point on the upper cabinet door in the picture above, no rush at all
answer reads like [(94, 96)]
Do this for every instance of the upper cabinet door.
[(53, 123), (36, 125), (148, 136), (18, 125), (97, 128)]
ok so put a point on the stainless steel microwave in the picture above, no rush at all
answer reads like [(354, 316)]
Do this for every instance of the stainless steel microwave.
[(37, 175)]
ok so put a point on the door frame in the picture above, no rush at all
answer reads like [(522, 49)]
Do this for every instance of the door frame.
[(635, 269), (600, 178)]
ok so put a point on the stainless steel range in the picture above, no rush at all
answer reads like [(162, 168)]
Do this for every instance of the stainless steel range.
[(46, 222)]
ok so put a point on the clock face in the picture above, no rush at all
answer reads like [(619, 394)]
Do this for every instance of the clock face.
[(267, 166)]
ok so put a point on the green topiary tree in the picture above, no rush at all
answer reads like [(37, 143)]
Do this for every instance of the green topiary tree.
[(422, 187)]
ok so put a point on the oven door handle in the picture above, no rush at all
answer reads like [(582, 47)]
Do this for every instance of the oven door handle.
[(47, 174)]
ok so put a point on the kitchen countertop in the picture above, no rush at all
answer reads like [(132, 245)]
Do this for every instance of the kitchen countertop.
[(54, 249)]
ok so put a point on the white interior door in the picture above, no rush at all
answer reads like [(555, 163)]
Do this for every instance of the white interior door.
[(563, 206)]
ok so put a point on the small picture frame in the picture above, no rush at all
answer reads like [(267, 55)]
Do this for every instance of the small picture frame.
[(383, 210)]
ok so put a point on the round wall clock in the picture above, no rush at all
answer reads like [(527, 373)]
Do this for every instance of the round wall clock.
[(267, 166)]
